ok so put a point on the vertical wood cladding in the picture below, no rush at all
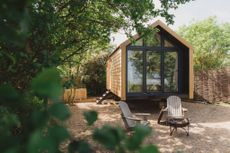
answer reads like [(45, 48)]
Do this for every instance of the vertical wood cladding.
[(114, 73)]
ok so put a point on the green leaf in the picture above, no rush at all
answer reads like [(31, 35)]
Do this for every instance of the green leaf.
[(110, 137), (8, 94), (59, 134), (79, 146), (149, 149), (59, 110), (7, 119), (38, 142), (48, 84), (11, 120), (140, 132), (90, 117), (39, 118), (12, 150)]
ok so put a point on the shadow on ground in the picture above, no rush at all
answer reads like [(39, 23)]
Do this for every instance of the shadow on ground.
[(209, 132)]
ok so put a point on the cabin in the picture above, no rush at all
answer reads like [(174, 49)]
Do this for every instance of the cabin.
[(151, 68)]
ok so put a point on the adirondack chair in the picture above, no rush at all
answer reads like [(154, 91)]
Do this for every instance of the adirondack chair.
[(176, 115), (130, 120)]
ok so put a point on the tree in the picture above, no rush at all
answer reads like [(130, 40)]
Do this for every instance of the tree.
[(94, 74), (36, 36), (76, 69), (211, 42)]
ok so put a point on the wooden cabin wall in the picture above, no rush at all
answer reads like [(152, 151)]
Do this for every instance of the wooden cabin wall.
[(191, 74), (108, 82), (114, 68)]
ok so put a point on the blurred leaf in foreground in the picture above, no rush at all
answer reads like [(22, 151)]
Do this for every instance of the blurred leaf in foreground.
[(140, 132), (79, 146), (90, 117), (59, 110), (149, 149), (47, 83), (108, 136)]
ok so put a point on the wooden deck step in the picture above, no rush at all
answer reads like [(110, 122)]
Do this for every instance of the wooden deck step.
[(110, 102), (103, 97), (107, 95)]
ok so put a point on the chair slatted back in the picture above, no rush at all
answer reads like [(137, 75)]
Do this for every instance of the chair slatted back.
[(174, 107), (126, 113)]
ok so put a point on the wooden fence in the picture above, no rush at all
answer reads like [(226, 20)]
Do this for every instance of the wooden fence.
[(213, 86)]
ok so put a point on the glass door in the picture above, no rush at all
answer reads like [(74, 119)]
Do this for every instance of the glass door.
[(153, 71), (152, 67), (170, 71), (135, 71)]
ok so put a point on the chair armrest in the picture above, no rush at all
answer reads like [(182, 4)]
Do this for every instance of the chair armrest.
[(164, 109), (184, 109), (133, 118), (142, 114)]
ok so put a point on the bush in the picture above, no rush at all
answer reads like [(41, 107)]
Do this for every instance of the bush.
[(94, 75), (28, 122), (211, 42)]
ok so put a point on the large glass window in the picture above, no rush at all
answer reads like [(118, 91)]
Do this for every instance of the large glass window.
[(153, 41), (153, 71), (135, 71), (138, 42), (168, 43), (152, 65), (171, 72)]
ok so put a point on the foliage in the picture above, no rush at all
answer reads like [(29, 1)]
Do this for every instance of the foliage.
[(115, 139), (94, 74), (77, 73), (37, 34), (49, 79), (211, 42), (35, 37), (31, 130), (90, 116)]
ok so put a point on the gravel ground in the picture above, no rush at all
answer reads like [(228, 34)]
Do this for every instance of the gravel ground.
[(209, 130)]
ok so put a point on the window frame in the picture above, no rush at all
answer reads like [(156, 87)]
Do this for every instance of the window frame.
[(162, 49)]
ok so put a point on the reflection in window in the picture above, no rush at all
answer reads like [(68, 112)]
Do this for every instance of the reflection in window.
[(168, 44), (135, 71), (153, 75), (153, 41), (171, 72), (138, 42)]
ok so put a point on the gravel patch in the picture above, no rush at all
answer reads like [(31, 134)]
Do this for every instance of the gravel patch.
[(209, 130)]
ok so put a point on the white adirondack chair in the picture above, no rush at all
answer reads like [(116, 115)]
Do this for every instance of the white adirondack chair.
[(174, 108), (130, 120), (176, 114)]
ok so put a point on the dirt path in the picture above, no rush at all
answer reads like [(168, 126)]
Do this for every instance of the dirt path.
[(209, 132)]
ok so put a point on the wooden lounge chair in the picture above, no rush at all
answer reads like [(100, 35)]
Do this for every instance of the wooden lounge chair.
[(130, 120), (176, 115)]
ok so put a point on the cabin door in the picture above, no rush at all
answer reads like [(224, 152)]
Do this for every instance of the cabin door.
[(170, 73), (161, 71), (153, 71)]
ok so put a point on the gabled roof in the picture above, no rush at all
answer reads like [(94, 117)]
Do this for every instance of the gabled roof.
[(163, 26)]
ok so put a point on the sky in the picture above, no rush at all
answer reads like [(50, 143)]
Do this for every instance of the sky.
[(189, 12)]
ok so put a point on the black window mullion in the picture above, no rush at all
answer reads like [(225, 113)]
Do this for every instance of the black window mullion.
[(179, 70), (162, 50), (162, 64), (144, 71)]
